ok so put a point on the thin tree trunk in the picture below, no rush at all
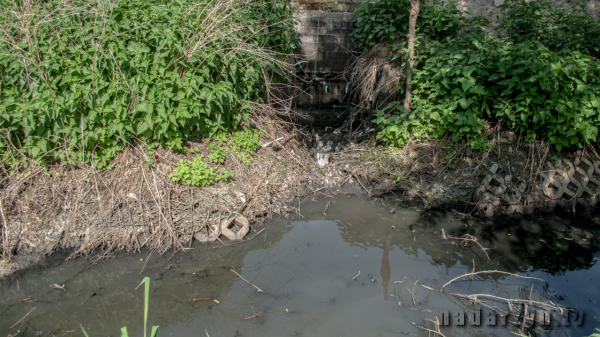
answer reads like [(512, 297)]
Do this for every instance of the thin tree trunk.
[(412, 24)]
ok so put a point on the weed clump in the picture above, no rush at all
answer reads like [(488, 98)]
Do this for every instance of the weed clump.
[(524, 71), (197, 172), (79, 80)]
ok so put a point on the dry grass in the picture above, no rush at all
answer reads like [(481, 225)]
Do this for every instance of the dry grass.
[(373, 77), (136, 206)]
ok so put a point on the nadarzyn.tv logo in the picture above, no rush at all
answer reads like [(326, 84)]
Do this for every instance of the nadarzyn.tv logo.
[(478, 317)]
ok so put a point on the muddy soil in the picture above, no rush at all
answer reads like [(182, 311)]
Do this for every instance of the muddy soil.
[(95, 213)]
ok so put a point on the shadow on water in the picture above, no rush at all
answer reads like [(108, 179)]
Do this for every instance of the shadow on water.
[(307, 269)]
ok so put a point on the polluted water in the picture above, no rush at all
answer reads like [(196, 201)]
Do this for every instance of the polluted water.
[(350, 266)]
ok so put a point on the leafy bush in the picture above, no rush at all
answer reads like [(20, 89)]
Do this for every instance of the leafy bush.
[(217, 154), (553, 26), (463, 83), (241, 144), (197, 172), (534, 77), (79, 80), (386, 21)]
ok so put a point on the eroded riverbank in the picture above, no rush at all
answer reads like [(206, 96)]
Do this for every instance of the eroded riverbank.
[(307, 269)]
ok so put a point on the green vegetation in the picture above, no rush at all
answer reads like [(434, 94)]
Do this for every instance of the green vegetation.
[(386, 21), (595, 334), (197, 172), (555, 27), (154, 331), (79, 80), (469, 79)]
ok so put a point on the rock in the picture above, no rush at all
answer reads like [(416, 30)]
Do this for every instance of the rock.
[(498, 3)]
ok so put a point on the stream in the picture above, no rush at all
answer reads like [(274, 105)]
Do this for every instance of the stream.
[(309, 271)]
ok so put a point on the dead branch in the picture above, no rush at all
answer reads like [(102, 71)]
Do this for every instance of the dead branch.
[(474, 298), (414, 299), (468, 237), (258, 290), (485, 272), (428, 330)]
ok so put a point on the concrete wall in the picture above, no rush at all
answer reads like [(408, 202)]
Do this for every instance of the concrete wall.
[(326, 41)]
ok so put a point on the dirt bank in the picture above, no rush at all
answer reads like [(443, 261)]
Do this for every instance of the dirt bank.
[(136, 205), (509, 176), (95, 213)]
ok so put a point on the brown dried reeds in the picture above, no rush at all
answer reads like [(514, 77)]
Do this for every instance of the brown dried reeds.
[(136, 205), (374, 78)]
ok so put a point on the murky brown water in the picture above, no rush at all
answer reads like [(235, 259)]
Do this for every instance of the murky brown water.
[(306, 269)]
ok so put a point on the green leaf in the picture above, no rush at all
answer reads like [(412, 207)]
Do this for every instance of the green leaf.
[(466, 82), (154, 331), (145, 281), (478, 89), (82, 329)]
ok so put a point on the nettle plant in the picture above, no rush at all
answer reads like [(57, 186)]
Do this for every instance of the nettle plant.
[(464, 84), (79, 79), (198, 173), (554, 26), (525, 75), (386, 21)]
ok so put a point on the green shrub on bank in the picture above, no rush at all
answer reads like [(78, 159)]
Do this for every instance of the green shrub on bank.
[(79, 80), (465, 83), (386, 21), (554, 26), (534, 73), (196, 172)]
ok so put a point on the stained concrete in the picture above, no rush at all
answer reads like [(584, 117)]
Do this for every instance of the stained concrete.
[(326, 41)]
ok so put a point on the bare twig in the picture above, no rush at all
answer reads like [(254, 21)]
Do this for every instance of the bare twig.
[(486, 272), (475, 297), (258, 290), (27, 314), (414, 299), (354, 278), (325, 210), (255, 315)]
